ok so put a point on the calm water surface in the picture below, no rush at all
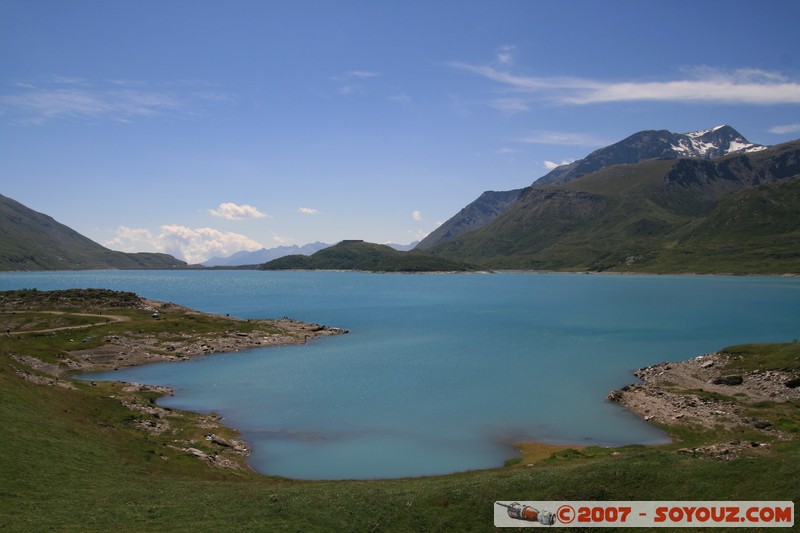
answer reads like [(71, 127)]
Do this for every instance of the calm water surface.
[(440, 373)]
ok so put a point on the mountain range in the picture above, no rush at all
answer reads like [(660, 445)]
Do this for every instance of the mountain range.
[(700, 202), (735, 213), (30, 240), (641, 146), (264, 255)]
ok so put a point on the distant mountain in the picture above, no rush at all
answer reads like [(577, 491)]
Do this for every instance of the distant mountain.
[(33, 241), (265, 254), (734, 214), (403, 247), (360, 255), (642, 146)]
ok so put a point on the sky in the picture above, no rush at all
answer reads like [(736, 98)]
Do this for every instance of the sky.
[(201, 128)]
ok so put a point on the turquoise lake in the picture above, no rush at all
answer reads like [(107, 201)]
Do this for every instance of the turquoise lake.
[(440, 372)]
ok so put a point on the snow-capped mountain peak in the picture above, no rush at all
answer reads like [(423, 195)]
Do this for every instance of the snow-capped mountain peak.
[(714, 142)]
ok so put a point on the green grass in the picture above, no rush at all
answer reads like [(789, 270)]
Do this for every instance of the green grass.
[(751, 357), (73, 460)]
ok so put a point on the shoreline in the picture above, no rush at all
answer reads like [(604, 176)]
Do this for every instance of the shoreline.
[(129, 331), (121, 351), (697, 394), (701, 395), (477, 271)]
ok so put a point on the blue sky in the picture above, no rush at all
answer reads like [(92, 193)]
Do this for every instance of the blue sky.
[(200, 128)]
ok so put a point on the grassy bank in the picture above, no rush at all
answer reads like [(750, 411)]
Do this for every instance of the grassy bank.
[(78, 459)]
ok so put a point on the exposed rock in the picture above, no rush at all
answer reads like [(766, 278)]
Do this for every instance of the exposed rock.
[(120, 351), (725, 451), (614, 396), (235, 445), (728, 380), (42, 380), (694, 393), (212, 459)]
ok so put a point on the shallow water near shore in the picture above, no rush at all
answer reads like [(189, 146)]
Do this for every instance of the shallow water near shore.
[(440, 373)]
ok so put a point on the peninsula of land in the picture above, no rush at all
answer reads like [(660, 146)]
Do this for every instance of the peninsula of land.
[(51, 335)]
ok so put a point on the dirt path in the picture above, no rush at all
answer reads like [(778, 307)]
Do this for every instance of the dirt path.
[(109, 318)]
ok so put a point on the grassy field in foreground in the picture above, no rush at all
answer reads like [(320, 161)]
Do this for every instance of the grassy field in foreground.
[(73, 460)]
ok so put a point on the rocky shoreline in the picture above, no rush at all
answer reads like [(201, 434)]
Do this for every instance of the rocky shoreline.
[(697, 394), (120, 351), (209, 440)]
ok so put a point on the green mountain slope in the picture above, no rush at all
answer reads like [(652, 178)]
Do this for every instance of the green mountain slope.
[(360, 255), (33, 241), (655, 216), (754, 230)]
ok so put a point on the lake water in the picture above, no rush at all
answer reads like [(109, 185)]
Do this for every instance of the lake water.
[(440, 373)]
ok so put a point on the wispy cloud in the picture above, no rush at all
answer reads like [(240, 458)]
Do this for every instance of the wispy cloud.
[(232, 211), (416, 215), (401, 98), (703, 84), (504, 150), (307, 211), (193, 245), (59, 97), (785, 128), (351, 82), (562, 138), (361, 74)]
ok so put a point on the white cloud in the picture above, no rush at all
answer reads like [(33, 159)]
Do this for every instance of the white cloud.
[(550, 165), (416, 215), (505, 55), (706, 84), (307, 210), (281, 240), (191, 245), (232, 211), (37, 102), (785, 128), (505, 150), (401, 98), (132, 240), (362, 74)]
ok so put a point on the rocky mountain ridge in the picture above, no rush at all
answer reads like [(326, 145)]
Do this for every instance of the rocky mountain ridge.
[(642, 146), (735, 214)]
